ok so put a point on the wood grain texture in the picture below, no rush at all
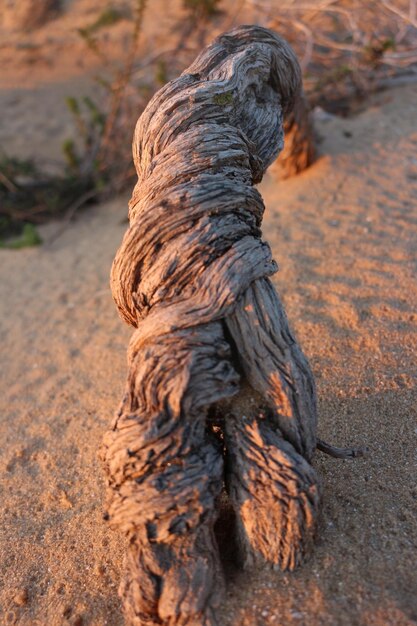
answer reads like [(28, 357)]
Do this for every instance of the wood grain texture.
[(299, 150), (212, 350)]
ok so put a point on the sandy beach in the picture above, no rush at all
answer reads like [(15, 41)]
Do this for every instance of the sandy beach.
[(344, 235)]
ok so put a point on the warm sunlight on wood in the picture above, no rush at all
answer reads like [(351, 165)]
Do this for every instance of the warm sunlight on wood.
[(205, 499)]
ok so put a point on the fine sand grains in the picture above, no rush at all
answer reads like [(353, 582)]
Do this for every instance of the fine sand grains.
[(344, 233)]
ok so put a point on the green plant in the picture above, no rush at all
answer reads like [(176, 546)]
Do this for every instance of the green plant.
[(70, 155), (374, 52), (27, 196), (98, 160), (161, 75), (342, 52), (29, 237), (90, 122), (108, 17), (11, 167)]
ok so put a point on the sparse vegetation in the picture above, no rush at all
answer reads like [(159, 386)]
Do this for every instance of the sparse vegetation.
[(28, 196), (346, 50), (161, 73), (108, 17), (29, 238), (97, 163), (202, 8)]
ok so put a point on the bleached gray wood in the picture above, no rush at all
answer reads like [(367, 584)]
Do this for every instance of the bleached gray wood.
[(212, 350)]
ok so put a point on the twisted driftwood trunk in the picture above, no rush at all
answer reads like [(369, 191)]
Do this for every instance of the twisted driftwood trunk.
[(212, 351), (299, 150)]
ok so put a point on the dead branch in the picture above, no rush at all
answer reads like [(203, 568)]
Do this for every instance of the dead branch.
[(299, 149), (211, 339)]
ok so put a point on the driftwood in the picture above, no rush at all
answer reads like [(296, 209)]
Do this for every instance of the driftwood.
[(218, 390), (299, 150)]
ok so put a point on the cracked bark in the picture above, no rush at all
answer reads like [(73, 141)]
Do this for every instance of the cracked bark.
[(212, 350)]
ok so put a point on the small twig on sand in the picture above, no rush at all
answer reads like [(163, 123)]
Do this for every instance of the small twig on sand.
[(341, 453), (7, 183)]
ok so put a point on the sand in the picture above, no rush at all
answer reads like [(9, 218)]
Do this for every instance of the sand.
[(344, 235)]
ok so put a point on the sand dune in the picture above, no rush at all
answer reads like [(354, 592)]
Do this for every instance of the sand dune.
[(344, 235)]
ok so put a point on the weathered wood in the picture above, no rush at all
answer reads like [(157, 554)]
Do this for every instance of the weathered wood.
[(212, 347), (299, 150)]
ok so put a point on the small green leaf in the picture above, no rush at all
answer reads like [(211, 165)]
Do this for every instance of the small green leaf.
[(161, 75), (70, 154), (72, 104)]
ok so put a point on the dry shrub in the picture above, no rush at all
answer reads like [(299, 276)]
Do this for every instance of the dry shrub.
[(25, 15), (347, 48)]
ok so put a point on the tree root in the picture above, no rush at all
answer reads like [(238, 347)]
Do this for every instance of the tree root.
[(341, 453), (211, 339)]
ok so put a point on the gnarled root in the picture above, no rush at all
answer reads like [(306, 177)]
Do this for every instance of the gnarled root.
[(274, 491), (174, 583), (167, 508), (299, 149), (166, 474), (270, 434), (192, 277)]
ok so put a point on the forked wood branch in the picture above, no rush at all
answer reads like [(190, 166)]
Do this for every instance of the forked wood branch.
[(218, 390)]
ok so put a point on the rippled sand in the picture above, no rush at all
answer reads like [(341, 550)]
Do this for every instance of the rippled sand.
[(344, 235)]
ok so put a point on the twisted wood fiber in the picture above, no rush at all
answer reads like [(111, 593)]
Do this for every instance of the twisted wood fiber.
[(299, 151), (211, 339)]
